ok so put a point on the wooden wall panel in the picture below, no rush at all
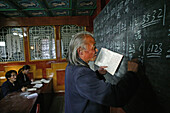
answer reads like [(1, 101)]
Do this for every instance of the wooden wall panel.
[(60, 77), (58, 72), (2, 77), (49, 73), (34, 72), (2, 73), (38, 73), (16, 67)]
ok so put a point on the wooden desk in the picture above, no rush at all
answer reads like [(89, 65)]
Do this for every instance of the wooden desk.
[(16, 102), (45, 96)]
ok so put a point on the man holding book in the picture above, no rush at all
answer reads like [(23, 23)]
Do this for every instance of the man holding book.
[(86, 90)]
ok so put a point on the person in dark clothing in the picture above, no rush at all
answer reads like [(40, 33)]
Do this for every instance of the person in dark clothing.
[(11, 85), (22, 77), (86, 90)]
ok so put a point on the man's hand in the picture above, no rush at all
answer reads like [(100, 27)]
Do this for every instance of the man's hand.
[(133, 65), (102, 70), (23, 89)]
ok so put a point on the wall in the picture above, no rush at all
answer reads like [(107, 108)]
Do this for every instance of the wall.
[(44, 68)]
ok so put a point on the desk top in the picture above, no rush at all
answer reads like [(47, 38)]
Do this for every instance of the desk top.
[(17, 102)]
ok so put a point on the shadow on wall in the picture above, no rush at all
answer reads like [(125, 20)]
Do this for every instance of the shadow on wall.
[(145, 99)]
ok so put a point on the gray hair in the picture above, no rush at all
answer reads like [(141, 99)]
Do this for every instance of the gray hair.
[(78, 40)]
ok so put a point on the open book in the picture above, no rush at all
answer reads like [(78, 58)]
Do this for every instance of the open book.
[(110, 59)]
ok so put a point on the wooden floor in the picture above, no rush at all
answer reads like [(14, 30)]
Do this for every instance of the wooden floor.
[(57, 105)]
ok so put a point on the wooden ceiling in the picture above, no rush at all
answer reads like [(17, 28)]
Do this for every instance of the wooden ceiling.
[(46, 8)]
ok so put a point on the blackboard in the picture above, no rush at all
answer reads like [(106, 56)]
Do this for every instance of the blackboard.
[(139, 29)]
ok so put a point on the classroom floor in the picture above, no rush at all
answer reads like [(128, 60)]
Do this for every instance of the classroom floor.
[(57, 105)]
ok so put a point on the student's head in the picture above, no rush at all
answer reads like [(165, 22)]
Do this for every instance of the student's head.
[(11, 75), (26, 69), (82, 46)]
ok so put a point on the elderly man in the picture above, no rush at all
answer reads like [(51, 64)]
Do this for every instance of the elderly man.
[(86, 90)]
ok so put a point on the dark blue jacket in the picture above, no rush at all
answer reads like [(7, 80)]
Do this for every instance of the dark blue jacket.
[(7, 88), (85, 92)]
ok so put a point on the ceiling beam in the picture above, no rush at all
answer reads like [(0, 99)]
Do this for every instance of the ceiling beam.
[(42, 21)]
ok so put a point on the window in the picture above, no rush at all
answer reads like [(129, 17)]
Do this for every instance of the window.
[(42, 42), (66, 34), (11, 44)]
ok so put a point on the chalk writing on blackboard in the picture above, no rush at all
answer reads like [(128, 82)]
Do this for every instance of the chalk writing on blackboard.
[(139, 29), (154, 50), (168, 53)]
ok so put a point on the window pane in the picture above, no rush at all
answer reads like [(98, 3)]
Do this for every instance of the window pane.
[(66, 34), (42, 42), (11, 44)]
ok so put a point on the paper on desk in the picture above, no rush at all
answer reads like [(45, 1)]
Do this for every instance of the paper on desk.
[(36, 82), (38, 85), (33, 95), (31, 89), (45, 81), (110, 59), (24, 93)]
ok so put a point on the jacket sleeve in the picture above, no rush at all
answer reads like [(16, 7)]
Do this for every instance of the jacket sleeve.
[(5, 89), (100, 76), (91, 87)]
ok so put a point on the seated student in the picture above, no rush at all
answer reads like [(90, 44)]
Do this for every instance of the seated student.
[(22, 77), (11, 85)]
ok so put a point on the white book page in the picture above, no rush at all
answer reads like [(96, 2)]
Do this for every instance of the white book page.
[(110, 59)]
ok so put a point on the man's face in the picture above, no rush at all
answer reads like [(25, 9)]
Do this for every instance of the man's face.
[(13, 77), (89, 54)]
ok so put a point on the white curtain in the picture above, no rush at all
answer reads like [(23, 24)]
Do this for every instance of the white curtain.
[(13, 44)]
